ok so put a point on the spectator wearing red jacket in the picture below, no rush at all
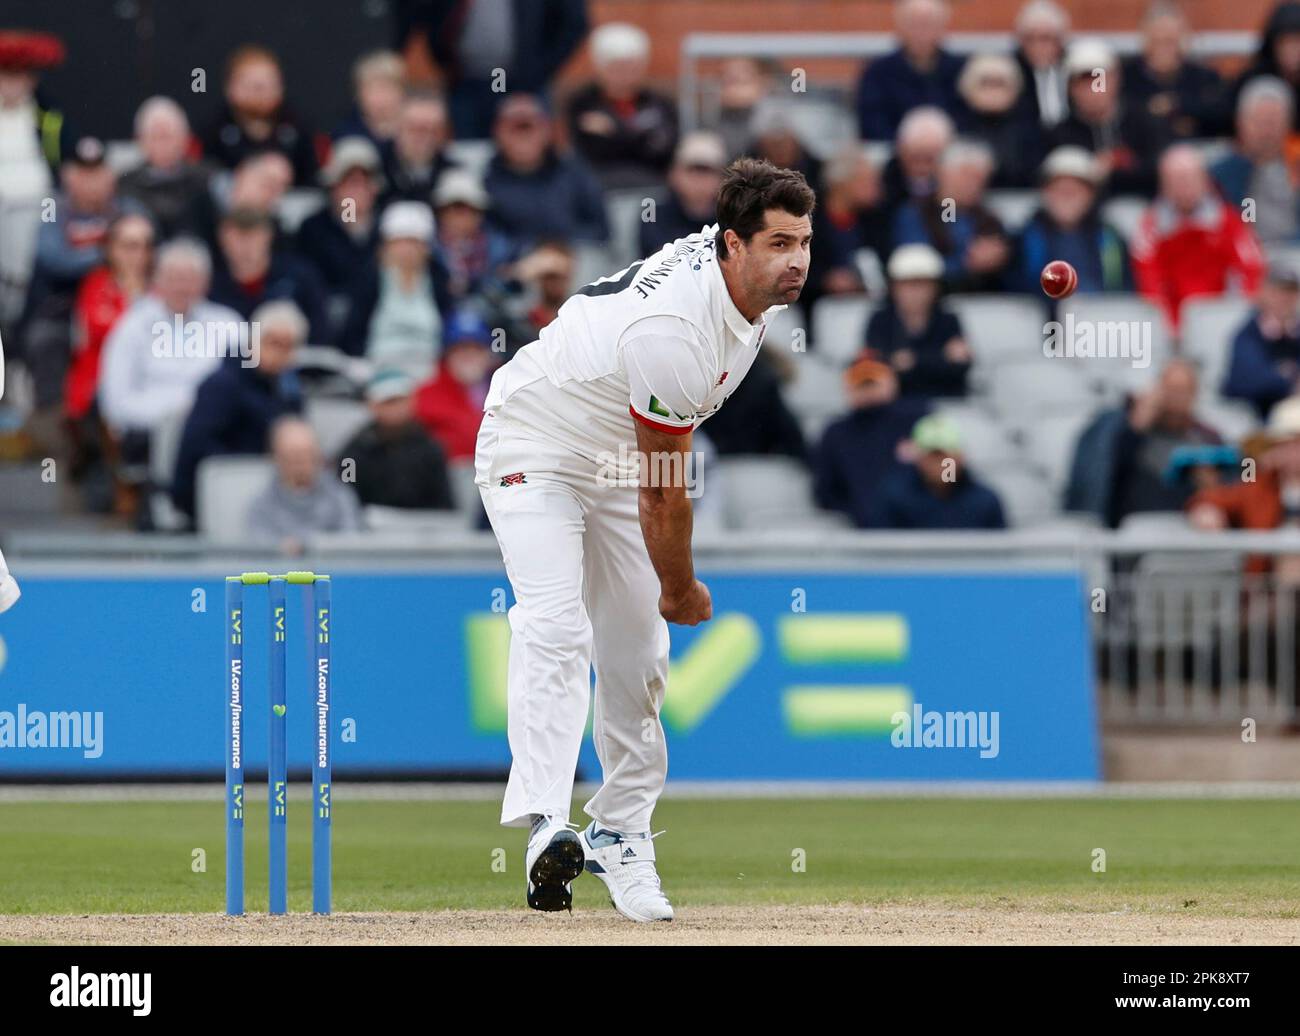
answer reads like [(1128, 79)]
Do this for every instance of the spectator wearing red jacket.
[(103, 296), (450, 404), (1190, 242)]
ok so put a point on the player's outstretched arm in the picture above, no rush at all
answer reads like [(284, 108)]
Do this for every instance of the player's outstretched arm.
[(665, 512)]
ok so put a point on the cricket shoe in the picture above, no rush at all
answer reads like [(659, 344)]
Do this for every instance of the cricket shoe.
[(626, 864), (554, 858)]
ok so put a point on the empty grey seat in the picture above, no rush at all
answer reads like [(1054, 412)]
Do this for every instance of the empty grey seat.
[(1000, 328), (1231, 418), (817, 389), (225, 489), (1209, 326), (1124, 212), (841, 322), (1050, 441), (623, 211), (765, 492), (404, 519), (785, 329), (985, 440), (1121, 323), (335, 422), (1017, 390), (1026, 497), (1013, 207)]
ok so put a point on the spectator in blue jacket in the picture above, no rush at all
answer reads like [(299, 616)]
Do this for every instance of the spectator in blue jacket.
[(474, 256), (340, 239), (859, 450), (957, 222), (913, 333), (1257, 167), (252, 271), (935, 491), (236, 405), (1265, 364), (537, 192), (919, 73), (1068, 226)]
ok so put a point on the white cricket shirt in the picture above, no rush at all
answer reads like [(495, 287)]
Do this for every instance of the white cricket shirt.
[(660, 342)]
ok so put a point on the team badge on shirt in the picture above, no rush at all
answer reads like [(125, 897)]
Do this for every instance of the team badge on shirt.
[(517, 479), (658, 408)]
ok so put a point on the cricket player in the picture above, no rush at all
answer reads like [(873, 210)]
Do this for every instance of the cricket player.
[(579, 430)]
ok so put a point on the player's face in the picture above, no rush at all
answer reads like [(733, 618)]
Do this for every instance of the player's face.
[(774, 262)]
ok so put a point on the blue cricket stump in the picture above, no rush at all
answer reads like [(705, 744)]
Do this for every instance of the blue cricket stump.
[(316, 611), (234, 623)]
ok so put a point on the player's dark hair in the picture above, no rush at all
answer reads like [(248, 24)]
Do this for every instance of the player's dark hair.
[(752, 186)]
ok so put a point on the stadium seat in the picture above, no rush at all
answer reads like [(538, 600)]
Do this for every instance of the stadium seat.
[(817, 389), (1231, 418), (1117, 374), (1124, 212), (296, 205), (841, 323), (1154, 523), (402, 519), (766, 492), (473, 155), (1001, 328), (782, 328), (469, 505), (164, 445), (1284, 255), (1049, 443), (1039, 387), (1013, 207), (225, 489), (986, 441), (591, 262), (623, 212), (335, 421), (1026, 497), (1209, 326)]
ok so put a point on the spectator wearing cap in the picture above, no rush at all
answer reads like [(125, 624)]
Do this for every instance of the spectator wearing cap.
[(547, 271), (1265, 364), (479, 44), (851, 230), (167, 182), (914, 333), (693, 184), (303, 498), (919, 72), (378, 86), (397, 464), (417, 155), (1042, 29), (990, 86), (252, 271), (68, 247), (858, 450), (1257, 167), (340, 240), (935, 490), (236, 405), (255, 118), (1126, 140), (35, 138), (623, 130), (1161, 80), (473, 255), (1069, 226), (396, 319), (1190, 241), (775, 134), (536, 191), (911, 174), (450, 404), (1278, 53), (1271, 500), (141, 385), (1122, 456), (259, 182), (957, 222)]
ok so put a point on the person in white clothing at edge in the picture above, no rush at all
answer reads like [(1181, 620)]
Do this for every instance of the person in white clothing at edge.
[(596, 544), (9, 593)]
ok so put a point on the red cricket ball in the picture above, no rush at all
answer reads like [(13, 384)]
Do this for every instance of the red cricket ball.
[(1059, 279)]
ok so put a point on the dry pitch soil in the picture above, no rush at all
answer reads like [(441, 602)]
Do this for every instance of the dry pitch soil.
[(777, 925)]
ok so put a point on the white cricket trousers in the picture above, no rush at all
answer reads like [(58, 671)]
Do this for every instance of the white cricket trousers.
[(585, 594)]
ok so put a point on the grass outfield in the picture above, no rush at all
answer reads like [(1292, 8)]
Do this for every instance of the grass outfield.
[(1224, 858)]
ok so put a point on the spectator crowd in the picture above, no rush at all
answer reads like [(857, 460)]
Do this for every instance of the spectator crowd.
[(398, 257)]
